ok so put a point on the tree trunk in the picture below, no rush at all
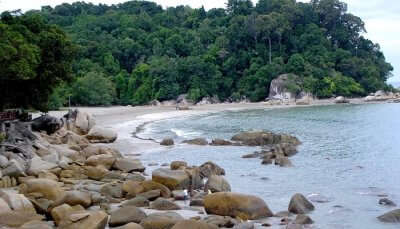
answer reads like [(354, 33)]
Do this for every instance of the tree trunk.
[(270, 50)]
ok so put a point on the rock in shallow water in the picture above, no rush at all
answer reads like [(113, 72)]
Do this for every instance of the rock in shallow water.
[(246, 207), (300, 205), (390, 217)]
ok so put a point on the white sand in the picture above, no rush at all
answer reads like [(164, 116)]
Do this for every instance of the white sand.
[(125, 120)]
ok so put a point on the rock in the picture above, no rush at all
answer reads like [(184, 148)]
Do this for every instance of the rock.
[(218, 184), (4, 208), (132, 188), (390, 217), (303, 219), (210, 168), (49, 189), (135, 177), (75, 197), (138, 201), (178, 194), (105, 160), (164, 204), (101, 135), (261, 138), (126, 214), (48, 175), (193, 224), (15, 202), (196, 141), (220, 142), (300, 205), (150, 195), (341, 99), (16, 219), (128, 165), (14, 169), (113, 190), (46, 123), (283, 162), (36, 224), (61, 213), (3, 161), (167, 142), (175, 165), (196, 202), (221, 221), (38, 165), (95, 173), (95, 220), (130, 226), (152, 185), (161, 220), (173, 179), (279, 89), (246, 207), (71, 138), (83, 123), (386, 202)]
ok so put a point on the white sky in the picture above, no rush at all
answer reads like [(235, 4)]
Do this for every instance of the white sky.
[(382, 18)]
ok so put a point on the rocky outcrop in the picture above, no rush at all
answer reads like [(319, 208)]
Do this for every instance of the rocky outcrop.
[(279, 89), (261, 138), (246, 207)]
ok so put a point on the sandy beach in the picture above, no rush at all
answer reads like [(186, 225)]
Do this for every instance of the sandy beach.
[(126, 119)]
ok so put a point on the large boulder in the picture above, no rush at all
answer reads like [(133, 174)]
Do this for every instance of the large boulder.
[(149, 185), (173, 179), (132, 188), (101, 135), (210, 168), (261, 138), (105, 160), (15, 202), (14, 169), (49, 189), (83, 123), (300, 205), (164, 204), (280, 88), (38, 165), (138, 201), (128, 165), (175, 165), (161, 220), (246, 207), (75, 197), (390, 217), (218, 184), (193, 224), (341, 99), (88, 220), (126, 214), (46, 123)]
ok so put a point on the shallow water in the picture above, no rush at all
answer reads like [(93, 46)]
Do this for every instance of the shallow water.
[(350, 155)]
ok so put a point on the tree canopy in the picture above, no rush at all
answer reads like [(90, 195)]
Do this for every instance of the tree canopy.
[(34, 58), (146, 52)]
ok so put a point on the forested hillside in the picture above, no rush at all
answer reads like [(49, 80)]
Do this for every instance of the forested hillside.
[(135, 52)]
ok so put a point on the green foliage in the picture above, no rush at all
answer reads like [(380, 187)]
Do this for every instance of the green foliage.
[(93, 89), (2, 137), (59, 97), (35, 57), (148, 53)]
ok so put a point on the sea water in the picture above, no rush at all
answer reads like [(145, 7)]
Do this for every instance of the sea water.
[(349, 157)]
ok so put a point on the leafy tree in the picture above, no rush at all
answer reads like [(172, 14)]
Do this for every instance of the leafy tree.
[(93, 89), (34, 57)]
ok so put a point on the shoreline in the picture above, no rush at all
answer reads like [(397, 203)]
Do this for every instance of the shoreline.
[(131, 121)]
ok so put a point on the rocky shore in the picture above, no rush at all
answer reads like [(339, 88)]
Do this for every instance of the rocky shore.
[(72, 179)]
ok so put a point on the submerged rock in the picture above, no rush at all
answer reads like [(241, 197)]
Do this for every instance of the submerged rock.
[(167, 142), (387, 202), (196, 141)]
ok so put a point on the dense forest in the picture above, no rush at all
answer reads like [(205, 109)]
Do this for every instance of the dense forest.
[(135, 52)]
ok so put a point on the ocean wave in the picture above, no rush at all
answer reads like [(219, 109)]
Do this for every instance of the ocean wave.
[(185, 134)]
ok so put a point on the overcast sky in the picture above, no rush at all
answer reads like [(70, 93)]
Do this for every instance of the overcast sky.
[(382, 18)]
